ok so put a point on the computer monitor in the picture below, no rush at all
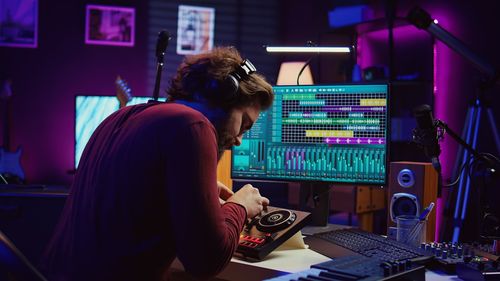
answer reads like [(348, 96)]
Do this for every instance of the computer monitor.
[(318, 133), (90, 111)]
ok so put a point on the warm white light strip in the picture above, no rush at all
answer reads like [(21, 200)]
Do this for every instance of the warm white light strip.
[(308, 49)]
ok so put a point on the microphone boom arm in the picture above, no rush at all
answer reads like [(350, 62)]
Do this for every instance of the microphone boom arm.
[(422, 20), (492, 163)]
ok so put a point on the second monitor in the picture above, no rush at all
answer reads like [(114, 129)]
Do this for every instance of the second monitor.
[(318, 133)]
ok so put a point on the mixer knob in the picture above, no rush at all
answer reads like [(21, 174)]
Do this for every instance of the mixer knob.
[(433, 249), (454, 249), (444, 255), (438, 252)]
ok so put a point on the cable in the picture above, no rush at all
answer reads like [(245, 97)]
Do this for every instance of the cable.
[(309, 44), (317, 196), (458, 177), (487, 154), (302, 69), (474, 164), (3, 179)]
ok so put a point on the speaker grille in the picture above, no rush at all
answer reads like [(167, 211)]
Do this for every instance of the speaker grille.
[(404, 204)]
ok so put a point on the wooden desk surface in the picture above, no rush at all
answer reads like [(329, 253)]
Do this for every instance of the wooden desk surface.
[(279, 263)]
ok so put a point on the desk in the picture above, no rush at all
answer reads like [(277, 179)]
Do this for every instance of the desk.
[(22, 218), (278, 263), (29, 214)]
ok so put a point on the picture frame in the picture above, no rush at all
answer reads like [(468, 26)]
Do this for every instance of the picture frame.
[(19, 23), (195, 29), (110, 25)]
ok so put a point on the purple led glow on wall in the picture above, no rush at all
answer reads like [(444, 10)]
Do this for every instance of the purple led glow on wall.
[(443, 84), (445, 65), (367, 55), (110, 25), (19, 23)]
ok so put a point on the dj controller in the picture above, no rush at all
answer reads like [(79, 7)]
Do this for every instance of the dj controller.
[(264, 233)]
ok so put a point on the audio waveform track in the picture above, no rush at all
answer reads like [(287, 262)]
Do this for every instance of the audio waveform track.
[(331, 133)]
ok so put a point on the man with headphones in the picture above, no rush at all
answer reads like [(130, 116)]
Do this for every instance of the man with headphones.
[(146, 189)]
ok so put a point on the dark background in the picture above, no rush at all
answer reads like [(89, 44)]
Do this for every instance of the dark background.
[(46, 79)]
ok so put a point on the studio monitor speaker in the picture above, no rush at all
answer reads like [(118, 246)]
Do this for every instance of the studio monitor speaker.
[(412, 187)]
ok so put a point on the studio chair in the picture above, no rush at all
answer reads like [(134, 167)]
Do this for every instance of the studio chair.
[(17, 266)]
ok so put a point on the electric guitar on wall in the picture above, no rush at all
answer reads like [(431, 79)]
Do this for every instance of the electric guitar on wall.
[(123, 91), (10, 164)]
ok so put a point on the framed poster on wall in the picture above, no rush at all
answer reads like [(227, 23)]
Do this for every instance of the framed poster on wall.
[(195, 29), (19, 23), (110, 25)]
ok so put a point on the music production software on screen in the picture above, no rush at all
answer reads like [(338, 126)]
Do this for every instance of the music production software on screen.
[(331, 133)]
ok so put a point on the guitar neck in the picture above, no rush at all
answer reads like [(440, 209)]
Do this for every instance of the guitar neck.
[(122, 103), (123, 92)]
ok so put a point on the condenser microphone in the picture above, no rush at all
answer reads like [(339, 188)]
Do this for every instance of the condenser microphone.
[(161, 47), (426, 134), (161, 44)]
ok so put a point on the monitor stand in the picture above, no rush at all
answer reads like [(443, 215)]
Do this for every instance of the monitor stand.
[(315, 198)]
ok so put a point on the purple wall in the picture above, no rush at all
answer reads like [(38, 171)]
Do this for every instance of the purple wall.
[(457, 79), (46, 79)]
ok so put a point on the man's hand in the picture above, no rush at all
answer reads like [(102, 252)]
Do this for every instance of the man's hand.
[(224, 192), (250, 198)]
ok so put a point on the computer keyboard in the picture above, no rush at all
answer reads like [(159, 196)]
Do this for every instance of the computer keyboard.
[(358, 268), (345, 242)]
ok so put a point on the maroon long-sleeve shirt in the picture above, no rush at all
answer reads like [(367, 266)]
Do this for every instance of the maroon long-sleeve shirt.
[(145, 192)]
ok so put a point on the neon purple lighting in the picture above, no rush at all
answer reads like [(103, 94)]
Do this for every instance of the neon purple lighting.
[(371, 45), (434, 68), (369, 56), (443, 102), (110, 25)]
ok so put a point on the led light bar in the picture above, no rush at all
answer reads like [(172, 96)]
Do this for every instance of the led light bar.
[(276, 49)]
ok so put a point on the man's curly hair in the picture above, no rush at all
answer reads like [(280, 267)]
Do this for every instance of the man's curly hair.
[(196, 73)]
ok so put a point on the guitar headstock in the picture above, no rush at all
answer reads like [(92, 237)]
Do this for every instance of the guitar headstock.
[(123, 91)]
